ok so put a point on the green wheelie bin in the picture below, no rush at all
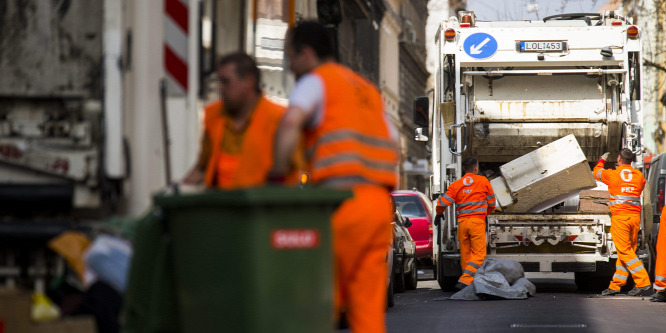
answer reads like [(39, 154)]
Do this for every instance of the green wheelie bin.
[(256, 260)]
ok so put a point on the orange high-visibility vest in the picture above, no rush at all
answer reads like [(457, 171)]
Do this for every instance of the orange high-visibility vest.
[(472, 194), (353, 143), (625, 185), (256, 158)]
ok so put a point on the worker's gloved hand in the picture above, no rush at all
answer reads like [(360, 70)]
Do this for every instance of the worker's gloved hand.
[(604, 157), (438, 218)]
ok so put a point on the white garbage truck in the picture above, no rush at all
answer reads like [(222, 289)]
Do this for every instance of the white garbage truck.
[(569, 84)]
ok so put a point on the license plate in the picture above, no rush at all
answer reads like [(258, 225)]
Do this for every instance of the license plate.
[(542, 46)]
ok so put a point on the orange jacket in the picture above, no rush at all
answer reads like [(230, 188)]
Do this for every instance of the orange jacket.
[(257, 148), (472, 194), (353, 143), (625, 185)]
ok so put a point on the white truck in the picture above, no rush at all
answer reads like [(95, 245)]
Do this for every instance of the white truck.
[(506, 88)]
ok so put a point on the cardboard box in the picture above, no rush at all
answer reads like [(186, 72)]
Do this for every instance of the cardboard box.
[(596, 206), (592, 201), (594, 194)]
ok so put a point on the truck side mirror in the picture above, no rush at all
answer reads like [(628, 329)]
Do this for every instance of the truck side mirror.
[(421, 111)]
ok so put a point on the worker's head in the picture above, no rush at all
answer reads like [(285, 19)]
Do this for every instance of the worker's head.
[(307, 46), (239, 80), (470, 165), (625, 157)]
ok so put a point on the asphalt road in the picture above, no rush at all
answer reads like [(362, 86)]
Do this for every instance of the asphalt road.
[(557, 307)]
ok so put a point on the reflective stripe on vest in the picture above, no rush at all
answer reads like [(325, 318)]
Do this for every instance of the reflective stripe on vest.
[(472, 203), (342, 135), (626, 197), (447, 198), (477, 210), (624, 202)]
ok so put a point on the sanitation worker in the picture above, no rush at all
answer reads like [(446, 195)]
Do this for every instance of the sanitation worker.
[(237, 142), (660, 267), (625, 185), (350, 145), (474, 199)]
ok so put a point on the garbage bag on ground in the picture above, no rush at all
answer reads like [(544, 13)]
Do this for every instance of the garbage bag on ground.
[(109, 257), (497, 279)]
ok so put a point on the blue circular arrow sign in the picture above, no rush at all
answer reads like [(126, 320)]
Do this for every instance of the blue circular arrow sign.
[(480, 45)]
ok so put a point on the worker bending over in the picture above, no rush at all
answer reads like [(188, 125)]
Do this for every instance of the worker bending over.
[(237, 142), (625, 185), (350, 145), (474, 199)]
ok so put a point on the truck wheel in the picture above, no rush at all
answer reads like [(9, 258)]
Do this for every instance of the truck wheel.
[(412, 278), (446, 283), (590, 282)]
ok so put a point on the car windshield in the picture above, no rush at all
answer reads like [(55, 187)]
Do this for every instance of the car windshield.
[(409, 206)]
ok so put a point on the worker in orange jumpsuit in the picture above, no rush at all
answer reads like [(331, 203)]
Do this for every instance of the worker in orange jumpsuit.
[(237, 142), (660, 267), (474, 199), (350, 145), (625, 185)]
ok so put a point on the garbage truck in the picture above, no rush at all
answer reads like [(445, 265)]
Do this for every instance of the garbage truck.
[(62, 152), (536, 103)]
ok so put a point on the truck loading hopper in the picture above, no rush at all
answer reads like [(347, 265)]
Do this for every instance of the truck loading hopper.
[(543, 178)]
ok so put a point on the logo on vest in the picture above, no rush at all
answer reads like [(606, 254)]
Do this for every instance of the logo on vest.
[(626, 175), (468, 181)]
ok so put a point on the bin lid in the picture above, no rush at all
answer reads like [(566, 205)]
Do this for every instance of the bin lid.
[(270, 195)]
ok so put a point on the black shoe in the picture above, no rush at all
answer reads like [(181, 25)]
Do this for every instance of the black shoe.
[(641, 291), (658, 297), (609, 292), (460, 286)]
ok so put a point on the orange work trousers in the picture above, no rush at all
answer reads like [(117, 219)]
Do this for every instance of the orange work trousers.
[(624, 229), (361, 238), (660, 264), (472, 237)]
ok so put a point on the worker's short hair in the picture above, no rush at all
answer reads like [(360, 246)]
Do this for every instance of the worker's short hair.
[(469, 164), (245, 65), (627, 156), (314, 35)]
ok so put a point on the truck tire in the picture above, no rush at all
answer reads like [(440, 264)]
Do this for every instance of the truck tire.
[(446, 283), (412, 278), (590, 282)]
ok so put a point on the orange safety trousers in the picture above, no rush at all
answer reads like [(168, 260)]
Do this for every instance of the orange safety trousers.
[(660, 265), (624, 229), (472, 238), (361, 238)]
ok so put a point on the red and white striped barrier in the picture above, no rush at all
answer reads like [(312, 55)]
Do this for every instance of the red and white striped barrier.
[(176, 40)]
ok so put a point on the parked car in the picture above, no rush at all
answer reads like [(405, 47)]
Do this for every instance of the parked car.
[(418, 209), (401, 259)]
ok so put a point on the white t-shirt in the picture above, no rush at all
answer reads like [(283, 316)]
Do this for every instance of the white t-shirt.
[(308, 95)]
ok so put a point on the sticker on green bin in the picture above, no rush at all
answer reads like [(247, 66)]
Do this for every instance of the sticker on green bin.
[(295, 239)]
